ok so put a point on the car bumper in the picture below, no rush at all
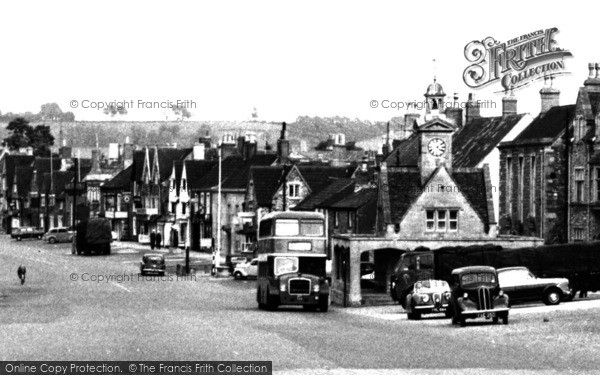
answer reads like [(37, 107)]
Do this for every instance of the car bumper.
[(153, 270)]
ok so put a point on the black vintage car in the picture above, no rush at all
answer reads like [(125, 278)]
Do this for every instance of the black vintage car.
[(521, 286), (476, 293), (26, 232)]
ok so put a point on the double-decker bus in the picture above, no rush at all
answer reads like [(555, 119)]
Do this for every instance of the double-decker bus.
[(292, 261)]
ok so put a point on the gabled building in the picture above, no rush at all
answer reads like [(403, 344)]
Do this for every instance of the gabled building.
[(8, 207), (40, 167), (117, 203), (584, 165), (199, 204)]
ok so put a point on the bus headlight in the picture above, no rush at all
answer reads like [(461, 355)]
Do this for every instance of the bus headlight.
[(282, 288), (466, 295), (316, 288)]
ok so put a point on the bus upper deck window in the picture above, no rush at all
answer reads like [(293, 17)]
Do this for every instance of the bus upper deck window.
[(312, 228), (287, 227)]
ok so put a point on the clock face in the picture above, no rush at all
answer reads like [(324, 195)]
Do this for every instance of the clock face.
[(436, 147)]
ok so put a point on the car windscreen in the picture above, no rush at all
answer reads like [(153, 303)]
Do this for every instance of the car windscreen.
[(473, 279), (154, 259), (312, 265), (285, 265)]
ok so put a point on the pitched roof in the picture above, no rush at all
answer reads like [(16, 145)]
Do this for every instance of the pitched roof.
[(357, 199), (316, 176), (23, 176), (472, 184), (266, 181), (59, 180), (138, 164), (238, 178), (404, 188), (166, 157), (477, 139), (546, 127), (120, 181), (330, 192), (406, 154), (12, 162), (196, 170), (41, 166)]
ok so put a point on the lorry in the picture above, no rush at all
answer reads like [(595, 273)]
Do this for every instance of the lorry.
[(92, 236), (577, 262)]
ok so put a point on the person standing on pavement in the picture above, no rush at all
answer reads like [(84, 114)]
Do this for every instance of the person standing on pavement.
[(158, 240), (153, 239)]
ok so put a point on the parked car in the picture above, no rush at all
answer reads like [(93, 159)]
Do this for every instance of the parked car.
[(428, 296), (153, 263), (58, 235), (246, 269), (475, 293), (521, 286), (26, 232)]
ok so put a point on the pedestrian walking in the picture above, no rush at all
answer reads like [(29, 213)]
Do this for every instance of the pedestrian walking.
[(152, 239), (21, 271), (158, 240)]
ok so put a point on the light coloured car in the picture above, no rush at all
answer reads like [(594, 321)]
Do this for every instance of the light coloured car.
[(246, 269), (58, 235), (428, 296)]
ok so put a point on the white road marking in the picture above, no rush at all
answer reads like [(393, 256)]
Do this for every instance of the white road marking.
[(120, 286)]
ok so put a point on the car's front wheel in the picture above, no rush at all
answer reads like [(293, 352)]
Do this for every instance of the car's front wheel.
[(505, 319), (52, 240), (552, 297), (18, 238), (237, 275)]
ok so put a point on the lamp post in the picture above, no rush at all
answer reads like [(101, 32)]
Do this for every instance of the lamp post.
[(217, 252)]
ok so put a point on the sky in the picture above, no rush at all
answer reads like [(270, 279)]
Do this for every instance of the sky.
[(286, 59)]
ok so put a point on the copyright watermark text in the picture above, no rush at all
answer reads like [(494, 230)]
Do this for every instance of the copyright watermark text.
[(132, 104), (422, 104), (126, 277)]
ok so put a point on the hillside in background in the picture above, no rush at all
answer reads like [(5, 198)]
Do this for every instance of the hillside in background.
[(82, 134)]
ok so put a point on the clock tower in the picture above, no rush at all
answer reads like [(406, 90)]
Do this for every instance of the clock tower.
[(435, 146)]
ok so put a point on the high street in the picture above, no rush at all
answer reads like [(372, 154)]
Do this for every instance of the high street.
[(107, 312)]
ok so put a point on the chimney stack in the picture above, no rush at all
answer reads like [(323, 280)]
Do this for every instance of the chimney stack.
[(592, 84), (509, 103), (283, 145), (127, 155), (472, 110), (228, 146), (454, 113), (95, 162), (198, 151), (549, 95)]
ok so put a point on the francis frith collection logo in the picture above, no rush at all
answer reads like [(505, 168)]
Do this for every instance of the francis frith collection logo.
[(514, 63)]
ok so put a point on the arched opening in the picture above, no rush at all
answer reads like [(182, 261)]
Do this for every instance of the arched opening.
[(376, 268)]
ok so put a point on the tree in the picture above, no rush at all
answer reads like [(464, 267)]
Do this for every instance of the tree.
[(181, 111), (50, 112), (24, 135), (114, 109), (41, 139), (21, 130)]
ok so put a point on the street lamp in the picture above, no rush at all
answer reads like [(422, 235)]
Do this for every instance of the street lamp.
[(217, 250)]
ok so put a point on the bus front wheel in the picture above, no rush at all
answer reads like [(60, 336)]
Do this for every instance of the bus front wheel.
[(271, 302), (324, 304)]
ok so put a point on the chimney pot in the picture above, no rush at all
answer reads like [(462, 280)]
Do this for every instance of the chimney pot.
[(597, 70), (591, 68)]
